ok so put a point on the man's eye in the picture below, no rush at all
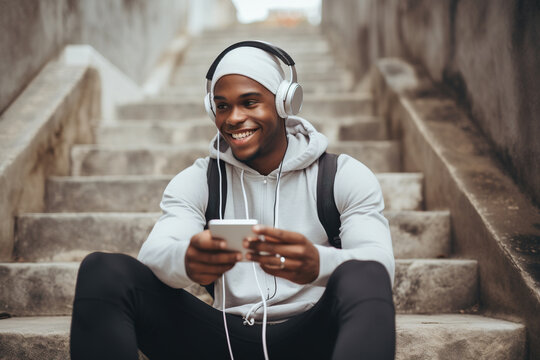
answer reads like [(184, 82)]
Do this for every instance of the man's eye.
[(250, 102), (221, 106)]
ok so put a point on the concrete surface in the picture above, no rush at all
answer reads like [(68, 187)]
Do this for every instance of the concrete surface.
[(334, 105), (178, 132), (56, 110), (401, 191), (492, 220), (419, 337), (421, 285), (32, 33), (428, 337), (485, 51), (420, 234), (379, 156), (58, 236), (37, 338), (310, 87)]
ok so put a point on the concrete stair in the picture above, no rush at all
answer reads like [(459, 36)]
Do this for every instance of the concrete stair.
[(111, 202), (402, 191), (58, 236), (320, 105), (418, 337)]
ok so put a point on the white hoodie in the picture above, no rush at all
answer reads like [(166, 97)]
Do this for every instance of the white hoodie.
[(364, 232)]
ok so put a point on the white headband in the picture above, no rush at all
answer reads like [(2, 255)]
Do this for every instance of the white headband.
[(253, 63)]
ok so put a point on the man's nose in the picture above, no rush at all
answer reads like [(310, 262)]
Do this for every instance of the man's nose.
[(236, 116)]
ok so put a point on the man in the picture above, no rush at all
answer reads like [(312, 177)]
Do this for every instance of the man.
[(321, 302)]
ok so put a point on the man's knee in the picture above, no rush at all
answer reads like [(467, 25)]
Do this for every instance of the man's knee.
[(364, 280), (102, 275)]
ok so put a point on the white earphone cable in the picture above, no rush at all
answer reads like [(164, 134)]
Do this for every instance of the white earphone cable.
[(223, 276), (220, 179), (244, 193)]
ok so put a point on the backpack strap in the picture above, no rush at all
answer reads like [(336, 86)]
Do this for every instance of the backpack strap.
[(212, 177), (212, 209), (326, 204)]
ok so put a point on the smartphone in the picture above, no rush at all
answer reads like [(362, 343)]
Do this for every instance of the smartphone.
[(234, 231)]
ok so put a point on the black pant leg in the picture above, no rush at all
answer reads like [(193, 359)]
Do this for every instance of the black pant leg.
[(363, 304), (120, 306), (354, 319)]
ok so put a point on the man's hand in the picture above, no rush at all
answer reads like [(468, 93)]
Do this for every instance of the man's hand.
[(301, 257), (206, 260)]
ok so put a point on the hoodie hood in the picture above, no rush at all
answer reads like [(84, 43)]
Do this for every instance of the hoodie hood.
[(306, 145)]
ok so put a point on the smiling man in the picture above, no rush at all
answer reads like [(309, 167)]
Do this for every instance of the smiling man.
[(321, 302)]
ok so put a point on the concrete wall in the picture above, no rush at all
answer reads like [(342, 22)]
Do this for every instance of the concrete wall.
[(486, 51), (130, 33), (210, 14)]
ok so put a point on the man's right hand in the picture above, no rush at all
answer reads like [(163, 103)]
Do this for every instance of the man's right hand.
[(206, 260)]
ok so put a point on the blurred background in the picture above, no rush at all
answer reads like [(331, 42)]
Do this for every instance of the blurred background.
[(485, 52)]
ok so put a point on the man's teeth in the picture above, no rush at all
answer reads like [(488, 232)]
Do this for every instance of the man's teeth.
[(242, 134)]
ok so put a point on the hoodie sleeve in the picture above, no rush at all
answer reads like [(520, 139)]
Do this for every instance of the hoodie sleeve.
[(364, 232), (183, 206)]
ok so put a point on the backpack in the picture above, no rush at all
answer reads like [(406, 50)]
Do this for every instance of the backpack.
[(326, 205)]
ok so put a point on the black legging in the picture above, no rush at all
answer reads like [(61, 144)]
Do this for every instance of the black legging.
[(121, 306)]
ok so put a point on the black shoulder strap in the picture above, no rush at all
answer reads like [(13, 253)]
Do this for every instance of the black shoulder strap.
[(212, 177), (326, 204), (212, 209)]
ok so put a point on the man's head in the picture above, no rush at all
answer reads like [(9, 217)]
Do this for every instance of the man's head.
[(257, 60), (242, 99)]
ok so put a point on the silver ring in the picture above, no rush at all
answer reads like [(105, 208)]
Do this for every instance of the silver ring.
[(282, 262)]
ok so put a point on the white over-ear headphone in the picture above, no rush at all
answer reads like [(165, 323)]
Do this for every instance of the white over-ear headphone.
[(289, 94)]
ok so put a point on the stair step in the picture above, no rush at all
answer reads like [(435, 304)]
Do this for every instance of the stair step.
[(145, 132), (402, 191), (30, 338), (262, 32), (309, 88), (379, 156), (148, 160), (309, 46), (70, 236), (347, 104), (421, 286), (419, 337), (300, 56), (323, 65), (189, 76)]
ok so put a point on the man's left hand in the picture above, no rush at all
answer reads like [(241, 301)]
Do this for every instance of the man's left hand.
[(287, 254)]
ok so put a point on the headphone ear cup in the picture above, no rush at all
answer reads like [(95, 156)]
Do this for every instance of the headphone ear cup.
[(289, 98), (209, 108), (295, 97), (281, 97)]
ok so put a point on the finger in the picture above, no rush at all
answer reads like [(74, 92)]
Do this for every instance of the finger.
[(287, 250), (194, 254), (218, 257), (204, 240), (278, 235), (275, 263)]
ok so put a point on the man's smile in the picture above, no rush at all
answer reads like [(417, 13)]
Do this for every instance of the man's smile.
[(242, 134)]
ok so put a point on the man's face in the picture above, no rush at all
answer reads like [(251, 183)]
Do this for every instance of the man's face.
[(246, 117)]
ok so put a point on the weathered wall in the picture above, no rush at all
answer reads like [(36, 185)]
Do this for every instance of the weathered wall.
[(487, 51), (130, 33), (210, 14)]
